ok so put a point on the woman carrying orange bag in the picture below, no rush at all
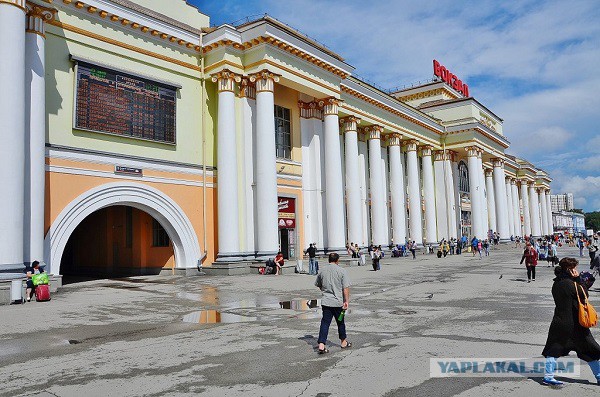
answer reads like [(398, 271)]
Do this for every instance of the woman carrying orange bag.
[(566, 334)]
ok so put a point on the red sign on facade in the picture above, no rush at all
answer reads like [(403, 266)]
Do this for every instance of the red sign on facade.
[(286, 213), (450, 78)]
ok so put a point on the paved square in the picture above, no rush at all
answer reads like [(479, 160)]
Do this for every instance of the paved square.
[(129, 338)]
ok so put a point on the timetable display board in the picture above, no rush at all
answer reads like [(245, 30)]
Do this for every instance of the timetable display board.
[(119, 103)]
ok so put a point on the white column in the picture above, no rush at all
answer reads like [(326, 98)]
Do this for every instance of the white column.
[(475, 192), (386, 197), (549, 212), (12, 149), (397, 190), (543, 211), (450, 189), (457, 199), (429, 195), (353, 209), (334, 195), (308, 179), (534, 211), (516, 208), (363, 154), (485, 226), (267, 242), (248, 99), (414, 193), (227, 172), (376, 188), (500, 195), (509, 207), (526, 216), (35, 132), (441, 203), (491, 200)]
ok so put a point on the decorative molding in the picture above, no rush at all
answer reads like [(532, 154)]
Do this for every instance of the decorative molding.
[(310, 110), (426, 94), (125, 22), (139, 50), (37, 16), (330, 105), (226, 80), (349, 123), (281, 45), (389, 109), (264, 80)]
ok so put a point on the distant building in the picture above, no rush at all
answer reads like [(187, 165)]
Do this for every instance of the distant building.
[(569, 222), (561, 202)]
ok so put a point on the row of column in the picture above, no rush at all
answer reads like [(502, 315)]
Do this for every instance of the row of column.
[(23, 115)]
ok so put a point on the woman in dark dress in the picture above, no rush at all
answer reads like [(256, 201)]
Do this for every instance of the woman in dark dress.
[(566, 334)]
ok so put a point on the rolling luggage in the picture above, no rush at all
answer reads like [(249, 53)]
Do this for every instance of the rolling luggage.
[(42, 293)]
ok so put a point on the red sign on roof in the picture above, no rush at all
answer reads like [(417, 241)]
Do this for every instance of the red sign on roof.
[(450, 78)]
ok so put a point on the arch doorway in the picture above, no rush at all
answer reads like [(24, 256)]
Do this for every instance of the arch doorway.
[(111, 201)]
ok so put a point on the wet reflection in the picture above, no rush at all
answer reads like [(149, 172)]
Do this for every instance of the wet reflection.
[(300, 304), (215, 317)]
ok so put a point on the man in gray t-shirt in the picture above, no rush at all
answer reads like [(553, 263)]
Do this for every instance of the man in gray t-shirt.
[(335, 285)]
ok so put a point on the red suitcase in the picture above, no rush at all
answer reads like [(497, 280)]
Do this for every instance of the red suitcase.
[(42, 293)]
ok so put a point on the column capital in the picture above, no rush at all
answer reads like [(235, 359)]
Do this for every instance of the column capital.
[(349, 123), (225, 80), (247, 89), (474, 151), (530, 184), (425, 150), (498, 162), (513, 181), (547, 191), (265, 80), (441, 155), (310, 110), (539, 190), (452, 155), (37, 16), (330, 105), (394, 139), (373, 131), (17, 3), (410, 145)]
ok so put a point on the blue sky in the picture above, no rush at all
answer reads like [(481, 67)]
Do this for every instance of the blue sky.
[(536, 64)]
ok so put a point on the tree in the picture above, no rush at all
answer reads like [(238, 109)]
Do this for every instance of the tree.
[(578, 210), (592, 220)]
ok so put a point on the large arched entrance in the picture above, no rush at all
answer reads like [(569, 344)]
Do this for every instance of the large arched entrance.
[(147, 200)]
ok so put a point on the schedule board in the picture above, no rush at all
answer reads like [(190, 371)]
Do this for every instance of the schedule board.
[(119, 103)]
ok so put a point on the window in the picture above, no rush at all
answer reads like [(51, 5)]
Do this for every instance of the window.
[(283, 136), (160, 238), (118, 103), (463, 178)]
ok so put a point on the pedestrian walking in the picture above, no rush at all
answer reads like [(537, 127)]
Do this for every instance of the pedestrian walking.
[(592, 249), (413, 249), (580, 246), (486, 247), (311, 251), (566, 334), (334, 283), (377, 254), (530, 256)]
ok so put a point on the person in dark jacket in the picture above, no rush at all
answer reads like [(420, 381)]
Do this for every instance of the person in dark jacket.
[(530, 256), (566, 334)]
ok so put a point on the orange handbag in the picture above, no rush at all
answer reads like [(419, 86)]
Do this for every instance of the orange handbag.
[(587, 314)]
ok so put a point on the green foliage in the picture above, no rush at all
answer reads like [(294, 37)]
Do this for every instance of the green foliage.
[(578, 210), (592, 220)]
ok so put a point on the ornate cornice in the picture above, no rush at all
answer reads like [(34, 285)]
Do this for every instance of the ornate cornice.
[(226, 80), (349, 123), (264, 80), (37, 16), (426, 94), (126, 22), (387, 108), (394, 139), (310, 110), (281, 45), (330, 105), (17, 3)]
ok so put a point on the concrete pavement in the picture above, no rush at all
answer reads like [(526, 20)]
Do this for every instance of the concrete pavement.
[(256, 335)]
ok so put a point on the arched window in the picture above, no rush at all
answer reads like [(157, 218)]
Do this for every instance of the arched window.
[(463, 178)]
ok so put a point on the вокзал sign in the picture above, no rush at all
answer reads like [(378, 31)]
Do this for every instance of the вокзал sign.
[(450, 78)]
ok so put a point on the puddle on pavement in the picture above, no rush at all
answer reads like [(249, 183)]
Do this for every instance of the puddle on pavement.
[(300, 304), (215, 317)]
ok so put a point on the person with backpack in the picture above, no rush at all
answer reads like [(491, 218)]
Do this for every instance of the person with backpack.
[(530, 256), (566, 333), (35, 269)]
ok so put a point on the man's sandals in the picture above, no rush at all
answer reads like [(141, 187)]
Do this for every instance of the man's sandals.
[(326, 350)]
